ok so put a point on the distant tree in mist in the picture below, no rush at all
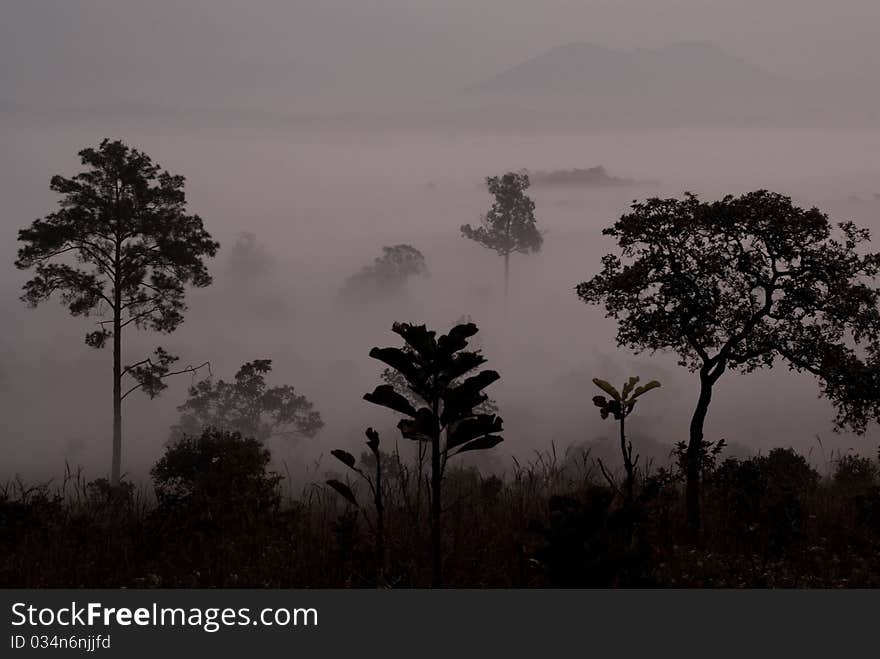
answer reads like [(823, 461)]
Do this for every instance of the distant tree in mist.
[(510, 224), (433, 370), (248, 258), (740, 284), (248, 405), (121, 244), (387, 275)]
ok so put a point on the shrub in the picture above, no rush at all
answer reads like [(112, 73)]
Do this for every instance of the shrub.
[(763, 499), (219, 473), (855, 474)]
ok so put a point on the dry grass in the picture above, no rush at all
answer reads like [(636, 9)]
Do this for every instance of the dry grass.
[(553, 521)]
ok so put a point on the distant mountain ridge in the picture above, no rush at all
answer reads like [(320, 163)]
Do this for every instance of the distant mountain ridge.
[(587, 69)]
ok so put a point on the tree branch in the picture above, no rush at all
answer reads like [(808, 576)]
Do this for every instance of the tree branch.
[(188, 369)]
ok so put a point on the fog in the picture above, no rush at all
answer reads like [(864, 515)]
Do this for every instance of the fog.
[(283, 55), (323, 186)]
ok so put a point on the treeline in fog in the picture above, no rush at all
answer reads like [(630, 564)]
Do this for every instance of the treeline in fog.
[(727, 286)]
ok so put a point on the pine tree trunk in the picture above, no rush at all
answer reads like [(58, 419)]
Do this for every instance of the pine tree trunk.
[(117, 399), (116, 467)]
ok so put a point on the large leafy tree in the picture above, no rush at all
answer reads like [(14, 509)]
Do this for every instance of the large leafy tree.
[(433, 370), (120, 245), (249, 406), (744, 283), (510, 224)]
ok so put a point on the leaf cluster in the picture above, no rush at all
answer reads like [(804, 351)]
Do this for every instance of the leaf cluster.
[(434, 369)]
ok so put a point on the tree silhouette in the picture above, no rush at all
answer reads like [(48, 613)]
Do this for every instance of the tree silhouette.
[(447, 421), (509, 226), (738, 284), (121, 241), (248, 406)]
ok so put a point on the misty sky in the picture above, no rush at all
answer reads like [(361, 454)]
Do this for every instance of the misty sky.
[(295, 54)]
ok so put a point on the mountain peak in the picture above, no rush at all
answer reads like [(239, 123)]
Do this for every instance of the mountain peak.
[(580, 68)]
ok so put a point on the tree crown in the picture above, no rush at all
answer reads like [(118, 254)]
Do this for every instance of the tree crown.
[(121, 239), (741, 282), (510, 225)]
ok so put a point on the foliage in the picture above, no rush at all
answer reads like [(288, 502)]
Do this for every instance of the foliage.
[(249, 406), (621, 403), (431, 367), (398, 381), (32, 510), (588, 544), (764, 499), (709, 457), (217, 472), (855, 473)]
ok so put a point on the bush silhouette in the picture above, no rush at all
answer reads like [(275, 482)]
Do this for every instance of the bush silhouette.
[(218, 474), (589, 544), (764, 500)]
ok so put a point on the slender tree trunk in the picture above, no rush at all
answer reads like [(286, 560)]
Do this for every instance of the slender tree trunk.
[(627, 462), (116, 467), (421, 450), (694, 452), (506, 279), (380, 525), (117, 398), (436, 538)]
